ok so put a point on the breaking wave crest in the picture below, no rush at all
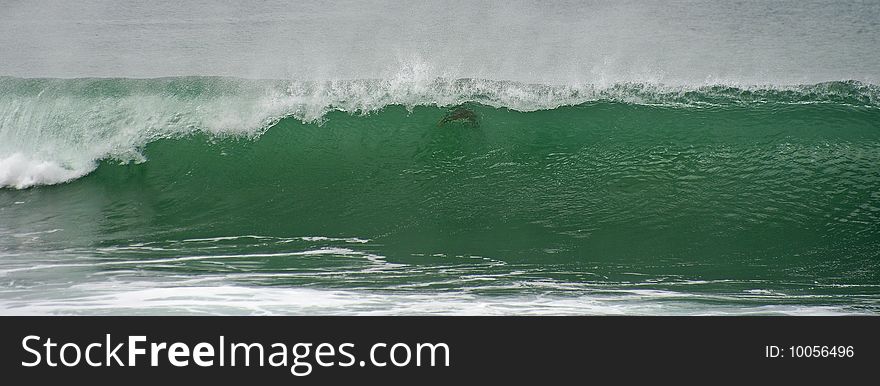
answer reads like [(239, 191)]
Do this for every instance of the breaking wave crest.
[(57, 130)]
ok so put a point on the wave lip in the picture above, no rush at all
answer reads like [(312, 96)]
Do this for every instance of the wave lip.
[(20, 171)]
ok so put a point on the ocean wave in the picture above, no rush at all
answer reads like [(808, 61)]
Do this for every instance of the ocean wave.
[(56, 130)]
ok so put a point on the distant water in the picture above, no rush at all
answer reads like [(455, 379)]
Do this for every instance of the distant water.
[(624, 158)]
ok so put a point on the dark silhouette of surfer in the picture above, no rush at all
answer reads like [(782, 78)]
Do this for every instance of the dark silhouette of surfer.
[(460, 114)]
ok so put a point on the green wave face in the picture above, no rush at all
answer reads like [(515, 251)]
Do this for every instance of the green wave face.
[(712, 200)]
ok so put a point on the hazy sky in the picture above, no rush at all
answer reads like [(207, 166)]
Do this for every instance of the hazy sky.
[(577, 41)]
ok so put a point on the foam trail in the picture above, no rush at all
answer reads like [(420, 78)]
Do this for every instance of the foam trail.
[(146, 299)]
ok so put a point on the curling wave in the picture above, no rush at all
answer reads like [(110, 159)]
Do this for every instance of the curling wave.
[(57, 130)]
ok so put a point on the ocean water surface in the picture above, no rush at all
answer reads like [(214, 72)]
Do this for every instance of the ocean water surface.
[(697, 158)]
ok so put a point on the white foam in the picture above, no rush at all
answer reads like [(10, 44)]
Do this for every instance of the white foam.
[(21, 171), (145, 298)]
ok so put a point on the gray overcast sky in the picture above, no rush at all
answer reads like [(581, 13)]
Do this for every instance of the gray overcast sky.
[(579, 41)]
